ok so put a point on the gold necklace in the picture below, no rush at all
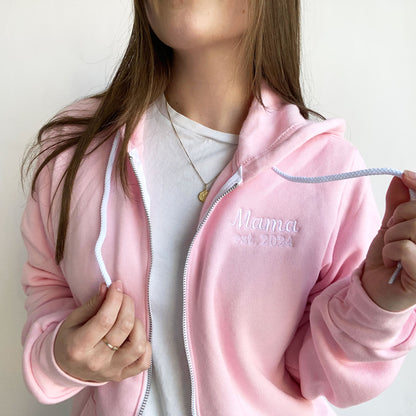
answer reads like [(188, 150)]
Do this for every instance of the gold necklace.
[(202, 196)]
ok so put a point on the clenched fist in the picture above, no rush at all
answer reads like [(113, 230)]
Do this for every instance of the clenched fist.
[(396, 241)]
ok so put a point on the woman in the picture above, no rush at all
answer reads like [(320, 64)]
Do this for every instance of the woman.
[(162, 187)]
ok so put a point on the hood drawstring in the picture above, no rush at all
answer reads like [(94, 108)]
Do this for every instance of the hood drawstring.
[(103, 211), (349, 175)]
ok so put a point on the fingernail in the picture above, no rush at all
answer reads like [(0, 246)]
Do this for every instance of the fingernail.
[(102, 290), (390, 222), (118, 286), (410, 174)]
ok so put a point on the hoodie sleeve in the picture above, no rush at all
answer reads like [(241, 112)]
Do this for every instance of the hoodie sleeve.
[(346, 347), (49, 300)]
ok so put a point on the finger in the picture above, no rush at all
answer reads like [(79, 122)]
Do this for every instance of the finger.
[(397, 194), (403, 251), (405, 211), (409, 179), (134, 346), (140, 365), (405, 230), (86, 311), (124, 323), (98, 325)]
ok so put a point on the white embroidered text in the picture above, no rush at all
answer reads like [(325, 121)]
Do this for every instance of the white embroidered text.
[(245, 220), (264, 240)]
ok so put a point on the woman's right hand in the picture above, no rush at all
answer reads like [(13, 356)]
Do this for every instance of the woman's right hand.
[(79, 347)]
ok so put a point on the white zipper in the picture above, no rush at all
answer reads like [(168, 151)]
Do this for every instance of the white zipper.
[(228, 187), (138, 172)]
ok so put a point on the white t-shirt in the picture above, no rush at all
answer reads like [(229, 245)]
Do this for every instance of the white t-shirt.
[(173, 187)]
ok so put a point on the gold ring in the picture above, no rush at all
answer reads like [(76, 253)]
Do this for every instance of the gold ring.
[(112, 347)]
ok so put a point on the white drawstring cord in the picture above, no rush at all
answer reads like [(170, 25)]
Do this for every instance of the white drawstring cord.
[(339, 176), (104, 205), (349, 175)]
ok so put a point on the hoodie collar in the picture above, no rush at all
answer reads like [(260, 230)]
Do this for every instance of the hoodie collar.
[(272, 132), (264, 136), (264, 124)]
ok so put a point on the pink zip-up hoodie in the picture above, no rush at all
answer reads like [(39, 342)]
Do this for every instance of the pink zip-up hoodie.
[(274, 312)]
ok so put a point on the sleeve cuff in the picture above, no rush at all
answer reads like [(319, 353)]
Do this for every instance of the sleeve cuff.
[(43, 377), (368, 324), (60, 376), (359, 296)]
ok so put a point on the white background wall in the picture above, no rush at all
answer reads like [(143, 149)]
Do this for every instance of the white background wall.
[(359, 64)]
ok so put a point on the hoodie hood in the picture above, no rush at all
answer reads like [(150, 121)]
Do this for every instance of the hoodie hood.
[(272, 132)]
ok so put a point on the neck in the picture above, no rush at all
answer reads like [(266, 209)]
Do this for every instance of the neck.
[(210, 87)]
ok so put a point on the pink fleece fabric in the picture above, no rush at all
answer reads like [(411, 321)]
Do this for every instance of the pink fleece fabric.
[(275, 311)]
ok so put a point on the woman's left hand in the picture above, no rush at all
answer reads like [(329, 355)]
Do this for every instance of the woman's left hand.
[(396, 241)]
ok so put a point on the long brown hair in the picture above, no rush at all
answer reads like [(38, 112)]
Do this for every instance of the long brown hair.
[(272, 54)]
